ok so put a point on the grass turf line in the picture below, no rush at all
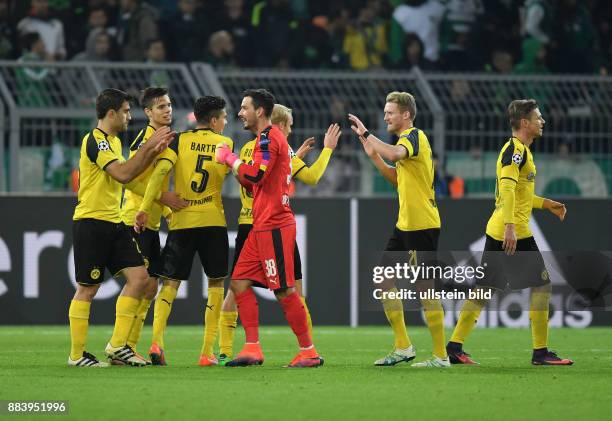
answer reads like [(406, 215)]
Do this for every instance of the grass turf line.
[(505, 386)]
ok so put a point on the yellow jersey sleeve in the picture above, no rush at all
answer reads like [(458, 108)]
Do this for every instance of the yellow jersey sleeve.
[(171, 152), (410, 141), (100, 152), (512, 161)]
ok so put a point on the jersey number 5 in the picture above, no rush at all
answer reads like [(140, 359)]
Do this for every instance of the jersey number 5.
[(199, 188)]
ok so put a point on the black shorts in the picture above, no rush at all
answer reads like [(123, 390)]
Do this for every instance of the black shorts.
[(421, 246), (524, 269), (243, 233), (181, 245), (150, 248), (101, 244)]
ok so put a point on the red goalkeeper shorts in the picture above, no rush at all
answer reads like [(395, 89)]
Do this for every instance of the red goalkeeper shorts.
[(267, 258)]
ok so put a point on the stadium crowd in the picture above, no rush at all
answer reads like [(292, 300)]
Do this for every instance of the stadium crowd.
[(500, 36)]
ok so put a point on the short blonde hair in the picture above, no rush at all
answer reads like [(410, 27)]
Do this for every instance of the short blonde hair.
[(280, 114), (405, 102)]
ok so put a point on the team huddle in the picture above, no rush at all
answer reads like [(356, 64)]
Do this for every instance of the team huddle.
[(180, 176)]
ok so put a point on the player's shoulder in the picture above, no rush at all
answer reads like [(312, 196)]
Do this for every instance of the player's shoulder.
[(143, 135), (513, 151)]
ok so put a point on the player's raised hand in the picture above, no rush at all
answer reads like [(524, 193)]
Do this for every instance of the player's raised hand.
[(356, 125), (367, 146), (557, 209), (331, 136), (173, 200), (160, 139), (140, 222), (306, 147)]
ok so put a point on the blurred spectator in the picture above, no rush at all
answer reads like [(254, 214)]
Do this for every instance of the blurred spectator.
[(534, 58), (421, 17), (459, 28), (156, 54), (30, 80), (538, 20), (501, 62), (338, 22), (313, 44), (578, 45), (83, 37), (499, 14), (234, 19), (365, 40), (51, 30), (98, 48), (221, 50), (273, 26), (7, 32), (136, 28), (185, 31), (413, 54)]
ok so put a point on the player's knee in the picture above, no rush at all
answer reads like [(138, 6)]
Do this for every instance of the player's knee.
[(283, 292), (86, 292), (229, 303), (238, 287), (151, 289), (215, 282), (171, 283)]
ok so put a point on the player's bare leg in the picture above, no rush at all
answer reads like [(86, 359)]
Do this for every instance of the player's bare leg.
[(211, 321), (538, 313), (163, 306), (248, 309), (117, 349), (79, 325)]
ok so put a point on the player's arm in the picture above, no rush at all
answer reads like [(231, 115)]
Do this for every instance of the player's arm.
[(391, 153), (389, 173), (556, 208), (508, 180), (311, 175), (152, 193), (124, 172), (249, 174)]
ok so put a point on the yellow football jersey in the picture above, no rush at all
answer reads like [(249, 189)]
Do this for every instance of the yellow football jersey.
[(415, 176), (246, 197), (99, 195), (515, 162), (131, 201), (198, 178)]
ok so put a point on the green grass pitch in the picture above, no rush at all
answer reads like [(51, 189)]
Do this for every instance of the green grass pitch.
[(348, 387)]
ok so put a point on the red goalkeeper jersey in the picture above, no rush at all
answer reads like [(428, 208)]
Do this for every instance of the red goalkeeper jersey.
[(269, 176)]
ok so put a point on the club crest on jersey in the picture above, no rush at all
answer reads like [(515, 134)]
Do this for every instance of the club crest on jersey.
[(530, 176), (103, 146), (95, 273), (517, 158)]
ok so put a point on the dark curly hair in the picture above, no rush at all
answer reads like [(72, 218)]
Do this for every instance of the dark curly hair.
[(207, 107)]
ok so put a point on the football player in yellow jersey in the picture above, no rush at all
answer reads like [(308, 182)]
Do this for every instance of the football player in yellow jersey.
[(157, 107), (283, 118), (100, 240), (418, 223), (200, 227), (511, 255)]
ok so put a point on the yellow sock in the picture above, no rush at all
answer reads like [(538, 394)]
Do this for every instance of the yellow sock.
[(211, 319), (467, 321), (161, 312), (434, 314), (78, 313), (308, 319), (125, 312), (227, 325), (395, 314), (538, 313), (141, 315)]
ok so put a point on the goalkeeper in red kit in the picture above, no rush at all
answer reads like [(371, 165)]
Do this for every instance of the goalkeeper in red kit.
[(266, 259)]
